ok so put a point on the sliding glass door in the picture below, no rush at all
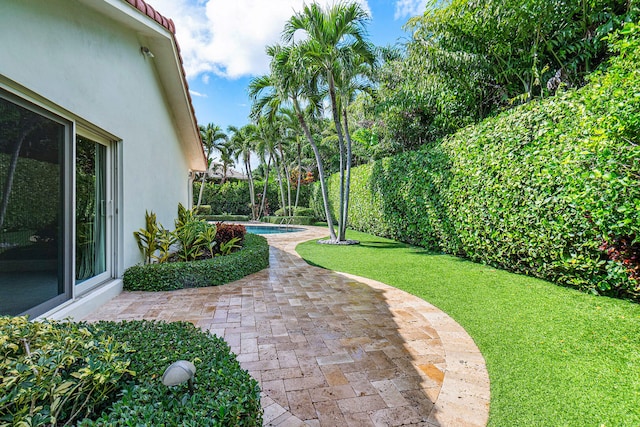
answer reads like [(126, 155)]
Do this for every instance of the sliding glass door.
[(46, 171), (34, 179), (92, 203)]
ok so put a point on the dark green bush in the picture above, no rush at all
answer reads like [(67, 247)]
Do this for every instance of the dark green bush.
[(297, 220), (296, 211), (224, 217), (225, 394), (253, 257), (538, 189), (203, 210), (57, 373), (233, 197)]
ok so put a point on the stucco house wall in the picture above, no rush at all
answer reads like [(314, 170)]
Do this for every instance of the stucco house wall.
[(83, 60)]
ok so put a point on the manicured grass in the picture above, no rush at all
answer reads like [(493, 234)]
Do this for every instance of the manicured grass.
[(555, 356)]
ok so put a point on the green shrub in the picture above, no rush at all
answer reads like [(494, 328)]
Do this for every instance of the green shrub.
[(224, 217), (296, 211), (57, 373), (225, 394), (539, 189), (203, 210), (195, 237), (147, 238), (233, 197), (83, 374), (253, 257), (297, 220)]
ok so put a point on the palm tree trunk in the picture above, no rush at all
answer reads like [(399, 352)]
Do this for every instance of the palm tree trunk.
[(282, 198), (336, 121), (348, 177), (286, 174), (252, 191), (263, 203), (323, 184), (204, 175), (299, 173)]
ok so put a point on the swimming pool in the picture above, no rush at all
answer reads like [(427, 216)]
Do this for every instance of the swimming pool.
[(271, 229)]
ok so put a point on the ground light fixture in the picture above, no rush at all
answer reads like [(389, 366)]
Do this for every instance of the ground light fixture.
[(179, 372)]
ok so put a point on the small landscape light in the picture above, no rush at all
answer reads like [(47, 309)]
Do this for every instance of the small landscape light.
[(179, 372), (146, 52)]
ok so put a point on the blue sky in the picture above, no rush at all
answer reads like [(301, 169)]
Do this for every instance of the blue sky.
[(222, 44)]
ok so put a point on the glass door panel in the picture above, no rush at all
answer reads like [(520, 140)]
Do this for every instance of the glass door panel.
[(31, 210), (91, 215)]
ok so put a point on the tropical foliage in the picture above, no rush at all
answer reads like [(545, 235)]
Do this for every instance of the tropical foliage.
[(192, 239), (329, 63), (547, 189), (252, 257), (469, 59)]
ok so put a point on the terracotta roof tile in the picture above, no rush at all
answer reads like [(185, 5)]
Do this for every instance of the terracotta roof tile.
[(167, 23)]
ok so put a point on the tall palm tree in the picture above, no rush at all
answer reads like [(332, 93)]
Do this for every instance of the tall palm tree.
[(265, 147), (288, 84), (352, 79), (212, 136), (243, 141), (335, 36), (227, 154)]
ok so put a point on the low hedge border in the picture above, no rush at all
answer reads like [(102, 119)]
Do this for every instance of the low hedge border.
[(253, 257), (224, 217), (296, 220)]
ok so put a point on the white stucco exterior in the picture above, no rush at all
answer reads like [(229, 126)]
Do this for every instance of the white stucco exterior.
[(82, 60)]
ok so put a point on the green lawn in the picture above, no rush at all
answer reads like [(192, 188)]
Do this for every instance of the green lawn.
[(556, 357)]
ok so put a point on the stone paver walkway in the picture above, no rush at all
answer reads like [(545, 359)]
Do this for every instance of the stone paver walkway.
[(331, 349)]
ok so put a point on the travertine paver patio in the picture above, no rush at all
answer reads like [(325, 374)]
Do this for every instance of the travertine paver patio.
[(331, 349)]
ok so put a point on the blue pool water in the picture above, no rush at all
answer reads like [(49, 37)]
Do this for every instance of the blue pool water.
[(265, 229)]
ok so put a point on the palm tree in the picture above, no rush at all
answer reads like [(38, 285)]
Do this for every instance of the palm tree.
[(289, 85), (352, 80), (265, 146), (335, 36), (212, 135), (243, 141), (227, 154)]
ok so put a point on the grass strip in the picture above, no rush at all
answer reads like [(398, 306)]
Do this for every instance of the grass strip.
[(555, 356)]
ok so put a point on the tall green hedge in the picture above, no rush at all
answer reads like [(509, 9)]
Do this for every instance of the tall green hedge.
[(232, 197), (538, 189)]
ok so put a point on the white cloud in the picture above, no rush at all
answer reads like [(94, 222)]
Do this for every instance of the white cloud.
[(409, 8), (228, 37), (198, 94)]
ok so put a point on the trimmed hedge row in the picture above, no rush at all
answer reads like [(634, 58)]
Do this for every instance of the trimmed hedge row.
[(295, 211), (224, 217), (253, 257), (297, 220), (233, 196), (540, 189)]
